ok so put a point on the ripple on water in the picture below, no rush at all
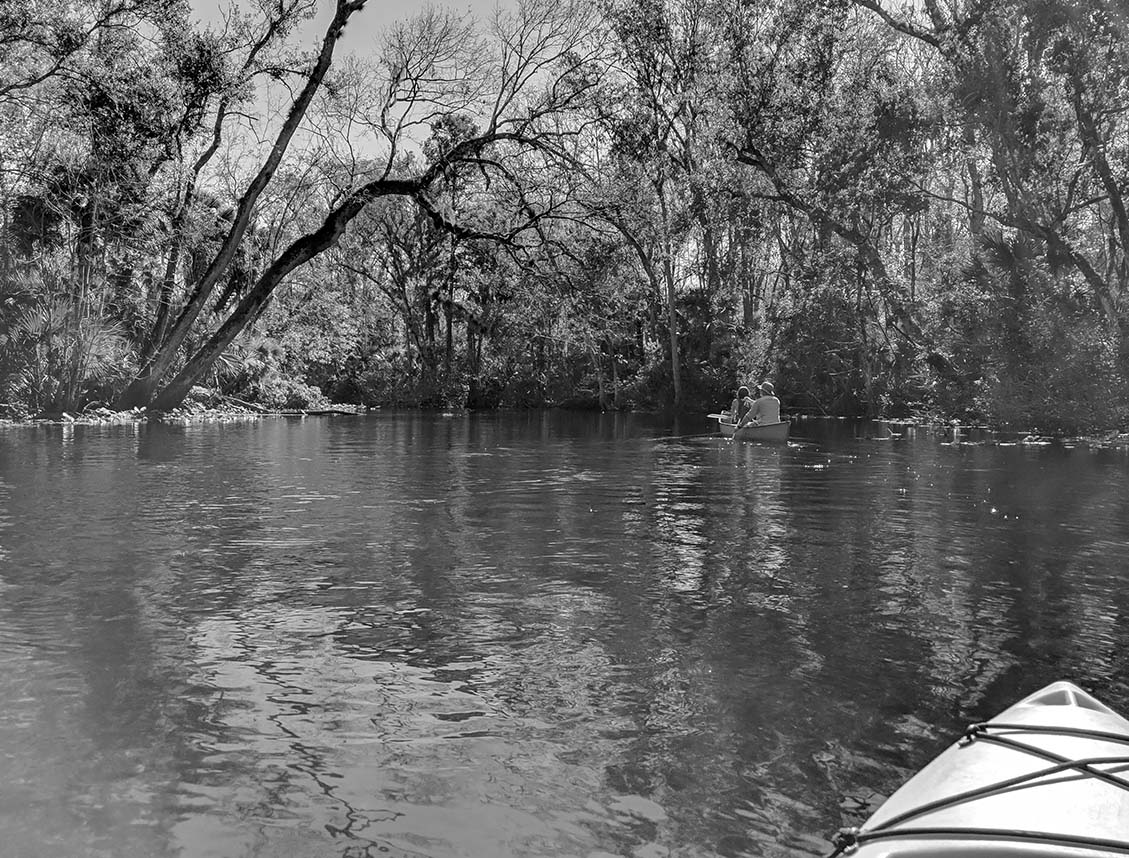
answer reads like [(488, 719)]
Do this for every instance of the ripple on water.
[(531, 635)]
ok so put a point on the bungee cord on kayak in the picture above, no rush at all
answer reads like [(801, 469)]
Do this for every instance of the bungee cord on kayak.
[(981, 729), (848, 840), (1081, 765)]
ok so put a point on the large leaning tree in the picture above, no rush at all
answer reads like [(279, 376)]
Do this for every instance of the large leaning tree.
[(519, 82)]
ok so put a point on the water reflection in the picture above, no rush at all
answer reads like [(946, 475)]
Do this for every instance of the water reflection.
[(529, 634)]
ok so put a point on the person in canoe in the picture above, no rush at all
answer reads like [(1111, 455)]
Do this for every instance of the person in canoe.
[(765, 408), (741, 405)]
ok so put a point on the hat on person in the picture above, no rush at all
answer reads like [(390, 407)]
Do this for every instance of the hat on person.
[(742, 391), (766, 387)]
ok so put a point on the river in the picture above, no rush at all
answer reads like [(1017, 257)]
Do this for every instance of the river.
[(532, 634)]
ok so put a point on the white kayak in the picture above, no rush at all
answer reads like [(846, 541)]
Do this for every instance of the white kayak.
[(1047, 777)]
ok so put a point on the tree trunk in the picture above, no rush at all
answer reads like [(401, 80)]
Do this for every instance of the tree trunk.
[(601, 387), (449, 337), (141, 389), (256, 300), (617, 392), (473, 366), (672, 322), (164, 297), (976, 204)]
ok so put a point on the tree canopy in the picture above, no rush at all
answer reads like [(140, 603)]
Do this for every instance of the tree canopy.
[(599, 203)]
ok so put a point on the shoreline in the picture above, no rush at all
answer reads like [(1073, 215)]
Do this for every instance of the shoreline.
[(108, 417), (950, 432)]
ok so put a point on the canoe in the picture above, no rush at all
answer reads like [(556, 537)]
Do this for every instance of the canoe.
[(754, 432), (1047, 777)]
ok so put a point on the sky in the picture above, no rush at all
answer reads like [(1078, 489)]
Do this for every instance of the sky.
[(362, 32), (365, 26)]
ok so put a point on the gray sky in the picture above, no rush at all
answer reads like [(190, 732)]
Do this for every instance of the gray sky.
[(364, 26)]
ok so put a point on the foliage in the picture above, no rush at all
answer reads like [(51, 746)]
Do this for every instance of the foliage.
[(888, 210), (54, 357)]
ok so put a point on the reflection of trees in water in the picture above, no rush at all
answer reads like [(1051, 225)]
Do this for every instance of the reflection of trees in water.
[(717, 623), (309, 742), (1057, 519), (954, 582), (887, 577), (98, 579), (594, 637), (285, 714)]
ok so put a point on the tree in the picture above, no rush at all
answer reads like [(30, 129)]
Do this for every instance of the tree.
[(433, 67), (834, 131), (42, 40), (1041, 88), (89, 103), (657, 138), (165, 351)]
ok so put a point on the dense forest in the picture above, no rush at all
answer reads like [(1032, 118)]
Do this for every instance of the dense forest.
[(888, 209)]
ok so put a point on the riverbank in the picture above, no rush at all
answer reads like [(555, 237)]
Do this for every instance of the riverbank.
[(203, 406), (954, 432), (230, 409)]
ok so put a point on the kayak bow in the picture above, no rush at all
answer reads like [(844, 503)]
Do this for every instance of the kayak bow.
[(1047, 777)]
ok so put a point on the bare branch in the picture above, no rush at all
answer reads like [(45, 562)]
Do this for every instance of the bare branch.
[(900, 24)]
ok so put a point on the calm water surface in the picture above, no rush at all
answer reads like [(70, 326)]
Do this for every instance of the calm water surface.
[(522, 635)]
